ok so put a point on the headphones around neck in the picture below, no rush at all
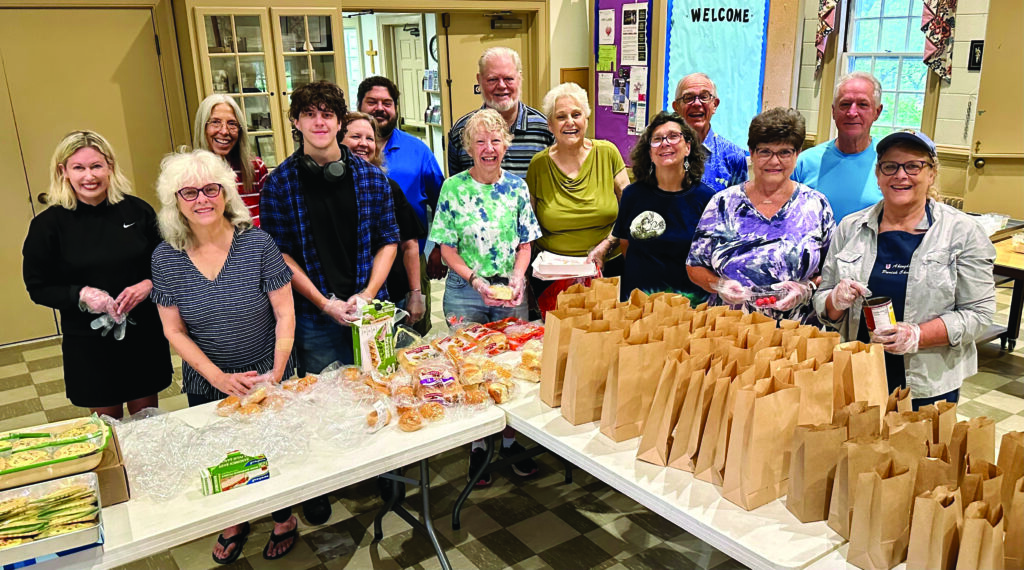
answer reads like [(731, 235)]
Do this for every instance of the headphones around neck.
[(332, 171)]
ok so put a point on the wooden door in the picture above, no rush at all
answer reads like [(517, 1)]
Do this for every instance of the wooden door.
[(995, 173), (69, 69), (410, 62)]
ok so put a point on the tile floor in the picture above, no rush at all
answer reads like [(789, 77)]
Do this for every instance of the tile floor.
[(539, 523)]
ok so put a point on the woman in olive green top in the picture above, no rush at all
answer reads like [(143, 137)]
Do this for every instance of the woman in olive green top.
[(575, 185)]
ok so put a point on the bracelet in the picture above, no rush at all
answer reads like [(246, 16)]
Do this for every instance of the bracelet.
[(472, 276)]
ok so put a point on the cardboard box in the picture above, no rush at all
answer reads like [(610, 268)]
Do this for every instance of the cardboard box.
[(113, 479)]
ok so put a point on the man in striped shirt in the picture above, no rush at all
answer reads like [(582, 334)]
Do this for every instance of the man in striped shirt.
[(500, 76)]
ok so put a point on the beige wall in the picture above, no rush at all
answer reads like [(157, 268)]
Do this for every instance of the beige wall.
[(571, 33), (953, 119)]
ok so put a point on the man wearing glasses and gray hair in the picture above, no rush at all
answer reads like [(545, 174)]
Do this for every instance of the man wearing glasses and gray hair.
[(696, 101)]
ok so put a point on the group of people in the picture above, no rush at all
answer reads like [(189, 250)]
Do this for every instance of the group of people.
[(251, 276)]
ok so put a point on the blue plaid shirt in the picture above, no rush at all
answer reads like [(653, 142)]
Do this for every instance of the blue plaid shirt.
[(726, 163), (283, 216)]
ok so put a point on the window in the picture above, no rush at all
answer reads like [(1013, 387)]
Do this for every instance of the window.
[(884, 38), (353, 55)]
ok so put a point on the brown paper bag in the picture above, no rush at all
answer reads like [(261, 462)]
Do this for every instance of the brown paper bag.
[(899, 401), (934, 470), (717, 420), (981, 542), (909, 434), (632, 380), (686, 441), (974, 437), (656, 440), (819, 346), (856, 456), (812, 470), (586, 371), (1013, 552), (880, 529), (935, 530), (859, 419), (860, 374), (558, 325), (947, 419), (1011, 461), (760, 443), (816, 396), (983, 481)]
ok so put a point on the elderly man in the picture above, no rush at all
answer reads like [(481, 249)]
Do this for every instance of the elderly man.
[(413, 166), (843, 169), (696, 102), (500, 75)]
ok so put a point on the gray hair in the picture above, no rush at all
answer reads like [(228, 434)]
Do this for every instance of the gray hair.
[(485, 121), (699, 75), (242, 154), (196, 168), (570, 90), (864, 75), (499, 51)]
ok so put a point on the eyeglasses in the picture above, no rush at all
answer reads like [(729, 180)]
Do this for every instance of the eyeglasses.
[(912, 167), (216, 125), (191, 194), (766, 154), (671, 138), (688, 98)]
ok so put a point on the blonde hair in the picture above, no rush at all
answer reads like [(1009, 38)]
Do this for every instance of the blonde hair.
[(377, 159), (485, 121), (61, 193), (194, 169), (241, 154), (570, 90)]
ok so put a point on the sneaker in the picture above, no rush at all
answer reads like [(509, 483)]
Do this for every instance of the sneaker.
[(525, 468), (317, 510), (476, 460)]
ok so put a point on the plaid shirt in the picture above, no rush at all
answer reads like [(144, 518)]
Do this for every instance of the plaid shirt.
[(284, 217)]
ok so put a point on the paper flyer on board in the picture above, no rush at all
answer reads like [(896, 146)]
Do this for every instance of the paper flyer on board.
[(606, 27), (604, 89), (634, 35)]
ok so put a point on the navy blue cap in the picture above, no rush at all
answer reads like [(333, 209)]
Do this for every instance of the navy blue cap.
[(912, 138)]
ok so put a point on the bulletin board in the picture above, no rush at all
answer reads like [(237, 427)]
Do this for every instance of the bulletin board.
[(622, 71)]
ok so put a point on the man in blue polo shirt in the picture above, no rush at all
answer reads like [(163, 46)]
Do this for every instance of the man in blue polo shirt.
[(412, 165), (696, 102)]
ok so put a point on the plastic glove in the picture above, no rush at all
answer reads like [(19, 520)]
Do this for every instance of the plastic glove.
[(903, 339), (416, 305), (436, 269), (731, 291), (518, 285), (342, 313), (846, 292), (132, 296), (796, 293), (597, 253), (484, 289), (96, 301), (103, 323)]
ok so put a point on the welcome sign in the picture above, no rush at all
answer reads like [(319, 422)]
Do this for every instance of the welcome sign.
[(726, 39)]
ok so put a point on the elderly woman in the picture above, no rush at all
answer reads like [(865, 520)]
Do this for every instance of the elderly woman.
[(222, 129), (575, 185), (92, 243), (770, 232), (225, 300), (360, 135), (484, 225), (933, 261), (659, 212)]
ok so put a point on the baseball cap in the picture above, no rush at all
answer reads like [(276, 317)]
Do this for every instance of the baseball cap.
[(912, 138)]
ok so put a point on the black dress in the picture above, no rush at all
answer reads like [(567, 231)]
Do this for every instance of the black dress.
[(107, 247)]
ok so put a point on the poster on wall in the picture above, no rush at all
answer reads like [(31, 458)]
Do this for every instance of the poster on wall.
[(634, 34), (726, 41), (606, 27)]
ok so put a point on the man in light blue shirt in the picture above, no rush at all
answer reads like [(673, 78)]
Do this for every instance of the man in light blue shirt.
[(696, 102), (412, 165), (843, 169)]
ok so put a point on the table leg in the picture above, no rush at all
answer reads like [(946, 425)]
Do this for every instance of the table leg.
[(1016, 304), (389, 505), (568, 468), (457, 509), (427, 522)]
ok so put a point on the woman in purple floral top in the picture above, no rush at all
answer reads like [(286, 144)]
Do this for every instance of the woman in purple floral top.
[(767, 236)]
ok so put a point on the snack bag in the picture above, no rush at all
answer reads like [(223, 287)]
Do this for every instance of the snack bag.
[(373, 337), (410, 358), (518, 335), (454, 347)]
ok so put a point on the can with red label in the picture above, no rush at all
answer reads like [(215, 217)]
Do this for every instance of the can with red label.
[(878, 314)]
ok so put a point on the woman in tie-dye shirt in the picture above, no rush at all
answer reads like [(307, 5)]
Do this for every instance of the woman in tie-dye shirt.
[(770, 233)]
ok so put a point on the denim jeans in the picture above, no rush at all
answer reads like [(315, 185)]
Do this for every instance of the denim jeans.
[(317, 346), (461, 300)]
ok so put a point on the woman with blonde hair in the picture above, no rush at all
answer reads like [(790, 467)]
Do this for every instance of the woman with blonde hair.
[(221, 128), (88, 255), (225, 299)]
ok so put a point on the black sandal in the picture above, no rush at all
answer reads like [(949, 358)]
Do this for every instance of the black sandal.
[(238, 540), (275, 539)]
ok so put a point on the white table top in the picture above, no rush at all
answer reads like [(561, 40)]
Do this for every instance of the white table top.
[(141, 527), (767, 537)]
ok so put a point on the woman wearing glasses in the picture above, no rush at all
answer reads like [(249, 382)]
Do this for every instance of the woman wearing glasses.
[(769, 233), (225, 298), (658, 213), (934, 262), (221, 129), (87, 255)]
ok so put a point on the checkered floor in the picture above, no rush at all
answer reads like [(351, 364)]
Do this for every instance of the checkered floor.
[(537, 523)]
